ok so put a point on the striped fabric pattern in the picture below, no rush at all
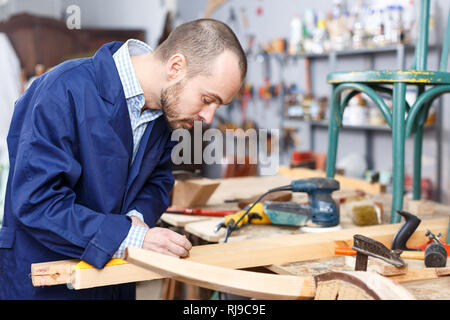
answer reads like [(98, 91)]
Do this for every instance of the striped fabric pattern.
[(139, 121), (132, 89)]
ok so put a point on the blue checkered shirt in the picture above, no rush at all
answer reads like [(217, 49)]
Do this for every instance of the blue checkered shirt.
[(135, 101)]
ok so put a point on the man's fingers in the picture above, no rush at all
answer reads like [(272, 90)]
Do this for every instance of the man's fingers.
[(176, 249), (180, 240), (161, 250), (166, 241)]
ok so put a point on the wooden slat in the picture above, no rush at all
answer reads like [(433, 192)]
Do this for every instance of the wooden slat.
[(124, 273), (345, 182), (262, 252), (181, 220), (419, 274), (245, 283), (301, 247)]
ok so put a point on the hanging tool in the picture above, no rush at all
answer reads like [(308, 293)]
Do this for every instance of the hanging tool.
[(366, 247), (321, 210), (245, 95), (200, 212), (212, 5)]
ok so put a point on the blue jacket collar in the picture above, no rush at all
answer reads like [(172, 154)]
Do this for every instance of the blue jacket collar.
[(107, 77)]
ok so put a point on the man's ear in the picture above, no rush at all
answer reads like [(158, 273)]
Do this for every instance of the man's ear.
[(176, 66)]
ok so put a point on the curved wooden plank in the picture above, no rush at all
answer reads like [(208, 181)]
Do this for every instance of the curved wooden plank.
[(244, 283)]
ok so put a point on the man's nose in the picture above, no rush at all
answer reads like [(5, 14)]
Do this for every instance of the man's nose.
[(207, 113)]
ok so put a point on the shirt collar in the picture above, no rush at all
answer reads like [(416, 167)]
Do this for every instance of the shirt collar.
[(122, 59)]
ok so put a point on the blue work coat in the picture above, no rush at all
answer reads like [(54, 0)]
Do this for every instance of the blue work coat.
[(70, 183)]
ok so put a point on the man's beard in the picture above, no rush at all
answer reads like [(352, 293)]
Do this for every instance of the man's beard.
[(170, 99)]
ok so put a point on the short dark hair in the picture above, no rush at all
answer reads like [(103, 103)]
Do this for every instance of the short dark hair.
[(201, 41)]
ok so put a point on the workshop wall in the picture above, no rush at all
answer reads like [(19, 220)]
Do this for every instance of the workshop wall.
[(267, 20)]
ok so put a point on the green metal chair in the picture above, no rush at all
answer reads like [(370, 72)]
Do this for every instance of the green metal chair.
[(404, 120)]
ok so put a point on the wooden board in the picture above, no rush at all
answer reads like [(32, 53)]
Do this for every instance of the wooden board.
[(244, 283), (345, 182), (124, 273), (259, 252), (240, 187), (181, 220), (205, 230)]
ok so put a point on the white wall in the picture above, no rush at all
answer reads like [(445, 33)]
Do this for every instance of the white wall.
[(46, 8)]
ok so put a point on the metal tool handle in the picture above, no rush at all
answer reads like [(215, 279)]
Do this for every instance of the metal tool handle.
[(405, 231)]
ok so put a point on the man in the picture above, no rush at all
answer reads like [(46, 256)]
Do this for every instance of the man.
[(90, 147)]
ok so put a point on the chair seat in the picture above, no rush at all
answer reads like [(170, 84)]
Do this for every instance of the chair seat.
[(390, 76)]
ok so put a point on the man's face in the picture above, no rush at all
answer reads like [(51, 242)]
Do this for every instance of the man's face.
[(197, 98)]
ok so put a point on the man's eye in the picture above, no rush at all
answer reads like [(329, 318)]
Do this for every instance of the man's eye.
[(207, 101)]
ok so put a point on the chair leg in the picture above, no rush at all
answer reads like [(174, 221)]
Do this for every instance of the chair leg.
[(335, 120), (398, 149), (418, 141), (417, 171)]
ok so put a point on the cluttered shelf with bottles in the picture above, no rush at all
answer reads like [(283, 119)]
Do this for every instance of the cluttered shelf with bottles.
[(367, 28)]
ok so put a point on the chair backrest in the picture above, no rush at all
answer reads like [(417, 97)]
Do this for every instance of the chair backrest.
[(420, 58), (421, 52), (445, 46)]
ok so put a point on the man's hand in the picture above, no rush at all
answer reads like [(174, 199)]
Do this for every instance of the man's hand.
[(166, 241)]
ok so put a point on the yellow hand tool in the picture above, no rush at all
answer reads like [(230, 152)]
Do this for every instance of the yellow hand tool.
[(255, 216)]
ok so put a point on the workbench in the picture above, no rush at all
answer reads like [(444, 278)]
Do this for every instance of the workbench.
[(280, 252), (200, 230)]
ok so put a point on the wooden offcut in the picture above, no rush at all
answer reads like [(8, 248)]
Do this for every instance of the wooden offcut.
[(419, 274), (379, 266), (193, 192), (420, 207), (251, 253), (52, 273)]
